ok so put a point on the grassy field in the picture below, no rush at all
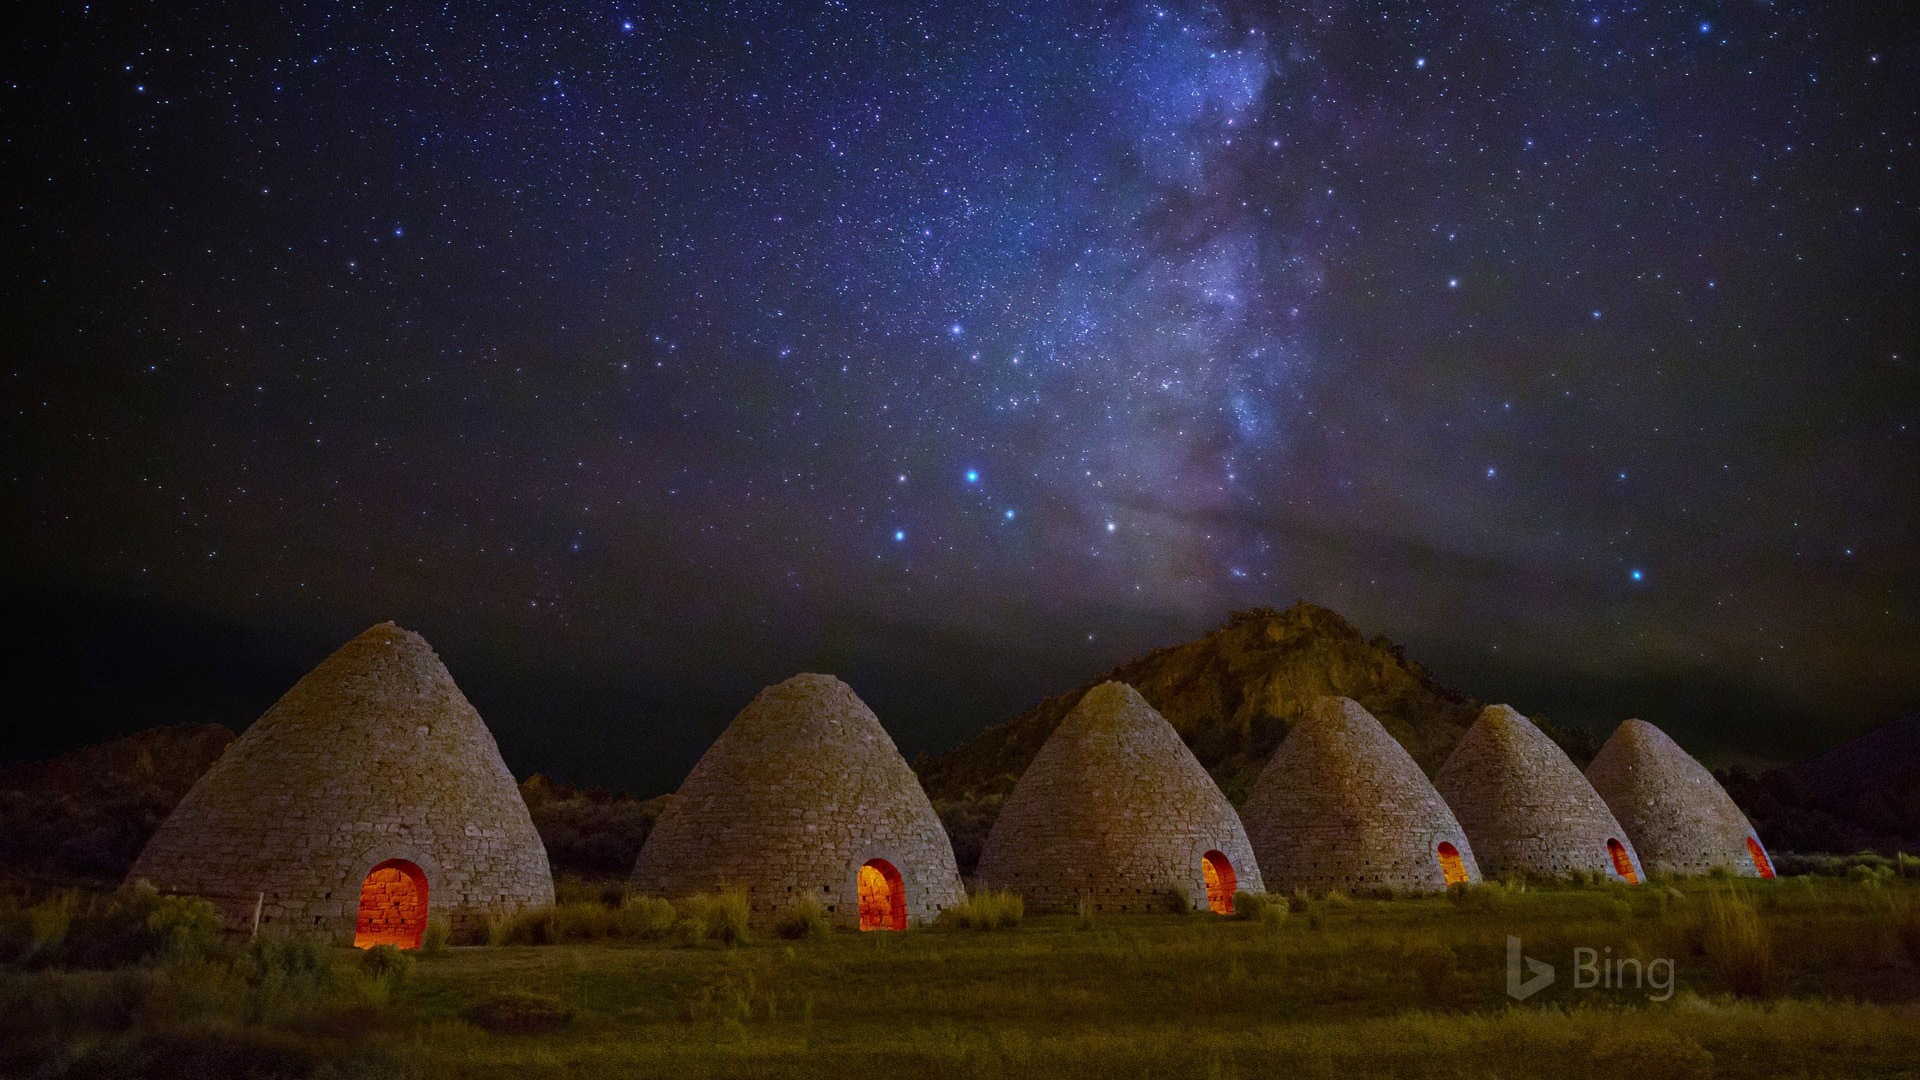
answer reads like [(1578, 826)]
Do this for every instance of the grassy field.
[(1800, 977)]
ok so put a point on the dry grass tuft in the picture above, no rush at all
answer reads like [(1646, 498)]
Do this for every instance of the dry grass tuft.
[(1738, 945), (988, 910)]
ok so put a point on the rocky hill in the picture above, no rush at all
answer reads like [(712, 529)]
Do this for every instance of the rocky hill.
[(1232, 695)]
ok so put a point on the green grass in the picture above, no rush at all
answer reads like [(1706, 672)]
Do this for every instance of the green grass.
[(986, 910), (1354, 987)]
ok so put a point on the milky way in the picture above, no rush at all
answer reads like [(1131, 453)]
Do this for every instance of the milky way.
[(641, 356)]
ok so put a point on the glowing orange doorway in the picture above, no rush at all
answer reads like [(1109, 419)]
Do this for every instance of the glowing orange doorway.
[(1622, 862), (1452, 867), (393, 906), (883, 897), (1760, 860), (1220, 882)]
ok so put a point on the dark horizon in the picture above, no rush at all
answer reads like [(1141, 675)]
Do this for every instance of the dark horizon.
[(102, 668), (639, 359)]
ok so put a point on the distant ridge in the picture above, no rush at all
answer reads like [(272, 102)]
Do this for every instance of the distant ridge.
[(1864, 795), (1883, 763), (1232, 695)]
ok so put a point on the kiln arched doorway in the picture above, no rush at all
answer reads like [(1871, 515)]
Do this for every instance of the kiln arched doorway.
[(1452, 866), (883, 897), (1220, 882), (1622, 862), (393, 906), (1759, 856)]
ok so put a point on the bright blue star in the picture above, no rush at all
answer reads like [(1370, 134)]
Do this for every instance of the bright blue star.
[(1705, 27), (973, 476), (1010, 517), (1420, 62), (1490, 472), (899, 534), (627, 25), (1453, 283), (1637, 575), (956, 330)]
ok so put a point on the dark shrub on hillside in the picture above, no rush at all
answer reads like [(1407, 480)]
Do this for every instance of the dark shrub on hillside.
[(84, 816), (589, 832)]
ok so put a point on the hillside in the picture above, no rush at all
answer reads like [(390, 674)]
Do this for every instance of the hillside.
[(1232, 695), (1863, 795), (84, 816)]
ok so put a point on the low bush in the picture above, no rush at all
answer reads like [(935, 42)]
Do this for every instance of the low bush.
[(1248, 905), (281, 960), (387, 962), (517, 1013), (720, 918), (1273, 914), (1179, 901), (108, 930), (802, 921), (578, 920), (986, 910), (646, 918)]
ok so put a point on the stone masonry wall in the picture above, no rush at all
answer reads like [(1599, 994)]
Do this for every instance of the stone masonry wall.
[(1525, 805), (374, 755), (800, 791), (1680, 819), (1342, 805), (1114, 812)]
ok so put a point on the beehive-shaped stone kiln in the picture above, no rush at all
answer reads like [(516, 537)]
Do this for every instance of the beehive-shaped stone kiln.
[(1116, 813), (805, 797), (1342, 805), (369, 796), (1680, 819), (1525, 806)]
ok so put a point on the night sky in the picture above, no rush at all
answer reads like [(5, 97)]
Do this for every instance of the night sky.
[(641, 356)]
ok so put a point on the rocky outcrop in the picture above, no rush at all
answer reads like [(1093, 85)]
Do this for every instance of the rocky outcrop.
[(1232, 696)]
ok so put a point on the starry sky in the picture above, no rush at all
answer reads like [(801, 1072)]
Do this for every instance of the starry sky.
[(643, 355)]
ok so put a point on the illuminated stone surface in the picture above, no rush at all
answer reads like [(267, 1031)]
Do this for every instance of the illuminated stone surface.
[(1114, 812), (1341, 805), (882, 898), (802, 789), (1524, 804), (375, 755), (393, 907), (1680, 819)]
